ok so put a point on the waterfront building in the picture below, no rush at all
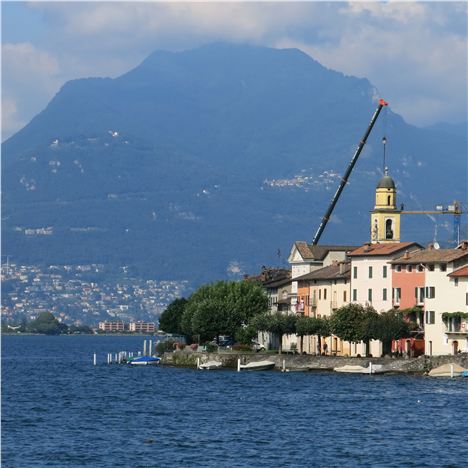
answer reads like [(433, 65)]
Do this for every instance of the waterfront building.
[(112, 326), (445, 297), (277, 285), (142, 327), (319, 294)]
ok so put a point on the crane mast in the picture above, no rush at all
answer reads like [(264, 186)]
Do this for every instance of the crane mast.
[(345, 178)]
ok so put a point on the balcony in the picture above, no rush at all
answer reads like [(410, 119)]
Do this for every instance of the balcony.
[(455, 324)]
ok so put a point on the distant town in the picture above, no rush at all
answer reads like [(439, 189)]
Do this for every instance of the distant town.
[(84, 294)]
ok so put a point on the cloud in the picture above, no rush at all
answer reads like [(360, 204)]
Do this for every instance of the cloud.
[(415, 53), (10, 117)]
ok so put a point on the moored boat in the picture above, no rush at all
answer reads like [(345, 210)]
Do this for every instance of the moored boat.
[(372, 369), (210, 365), (448, 370), (145, 361), (257, 366)]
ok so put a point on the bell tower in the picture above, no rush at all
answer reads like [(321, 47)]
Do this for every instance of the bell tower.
[(385, 217)]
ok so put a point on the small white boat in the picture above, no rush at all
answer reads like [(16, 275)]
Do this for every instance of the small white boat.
[(448, 370), (372, 369), (257, 366), (145, 361), (210, 365)]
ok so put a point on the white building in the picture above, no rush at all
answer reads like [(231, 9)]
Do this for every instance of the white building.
[(371, 280), (446, 302)]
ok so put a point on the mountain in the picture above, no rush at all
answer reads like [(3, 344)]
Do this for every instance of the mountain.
[(202, 164)]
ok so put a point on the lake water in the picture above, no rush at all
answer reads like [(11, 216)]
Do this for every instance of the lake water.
[(59, 410)]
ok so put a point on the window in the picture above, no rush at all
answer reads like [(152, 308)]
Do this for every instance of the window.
[(324, 293), (420, 268), (384, 271), (430, 317), (370, 272), (388, 200), (431, 267), (354, 272), (355, 295), (466, 299), (398, 267), (344, 296), (369, 295), (396, 294), (384, 294), (388, 229), (320, 294), (409, 268), (430, 292), (456, 281), (443, 267)]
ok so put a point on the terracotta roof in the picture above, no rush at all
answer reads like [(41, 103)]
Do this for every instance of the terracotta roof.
[(371, 250), (319, 252), (463, 271), (277, 283), (431, 256), (327, 273)]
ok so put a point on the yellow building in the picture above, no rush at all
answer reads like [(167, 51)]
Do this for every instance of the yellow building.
[(385, 217)]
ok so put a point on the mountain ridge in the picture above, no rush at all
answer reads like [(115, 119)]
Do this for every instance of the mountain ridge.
[(218, 158)]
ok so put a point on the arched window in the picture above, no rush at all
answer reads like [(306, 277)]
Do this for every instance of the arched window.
[(388, 229), (388, 200)]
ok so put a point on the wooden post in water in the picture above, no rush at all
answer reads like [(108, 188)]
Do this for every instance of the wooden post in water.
[(94, 359), (284, 365), (150, 346), (144, 348)]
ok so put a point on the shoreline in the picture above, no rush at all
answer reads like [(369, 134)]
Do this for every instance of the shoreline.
[(307, 363)]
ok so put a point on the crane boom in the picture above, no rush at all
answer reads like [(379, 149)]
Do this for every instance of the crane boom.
[(345, 178)]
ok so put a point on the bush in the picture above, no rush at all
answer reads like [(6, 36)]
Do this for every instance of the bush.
[(211, 348), (165, 347)]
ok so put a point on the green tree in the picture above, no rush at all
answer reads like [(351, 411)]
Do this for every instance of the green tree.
[(391, 326), (345, 322), (370, 323), (223, 308), (47, 324), (278, 323), (171, 319)]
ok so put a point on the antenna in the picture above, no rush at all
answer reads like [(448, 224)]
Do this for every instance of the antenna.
[(384, 143)]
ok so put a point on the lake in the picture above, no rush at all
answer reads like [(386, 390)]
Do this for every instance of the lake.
[(59, 410)]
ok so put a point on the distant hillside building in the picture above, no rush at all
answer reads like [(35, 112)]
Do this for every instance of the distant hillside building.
[(112, 326), (142, 327)]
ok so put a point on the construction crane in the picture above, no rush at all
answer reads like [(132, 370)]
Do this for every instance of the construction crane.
[(345, 178), (454, 209)]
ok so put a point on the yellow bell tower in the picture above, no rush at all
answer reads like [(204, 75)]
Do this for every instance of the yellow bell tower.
[(385, 217)]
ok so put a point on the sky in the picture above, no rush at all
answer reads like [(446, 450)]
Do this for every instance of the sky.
[(414, 53)]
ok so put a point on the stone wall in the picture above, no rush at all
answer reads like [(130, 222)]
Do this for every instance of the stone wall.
[(313, 363)]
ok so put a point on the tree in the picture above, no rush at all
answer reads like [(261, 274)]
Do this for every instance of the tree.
[(278, 323), (47, 324), (345, 322), (369, 326), (223, 308), (171, 319), (391, 326)]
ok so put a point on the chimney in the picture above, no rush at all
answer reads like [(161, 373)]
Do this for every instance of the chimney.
[(407, 255), (367, 247), (463, 245), (342, 266), (430, 247)]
